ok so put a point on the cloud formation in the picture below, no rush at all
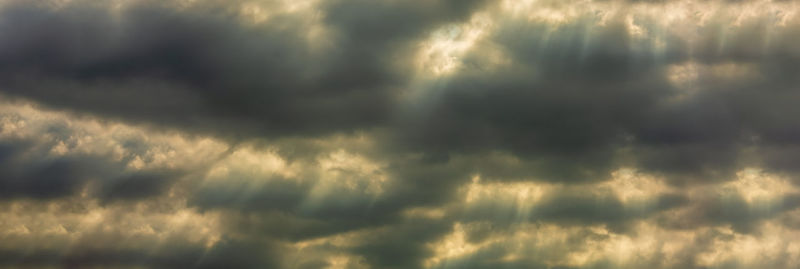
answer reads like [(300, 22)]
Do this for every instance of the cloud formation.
[(399, 134)]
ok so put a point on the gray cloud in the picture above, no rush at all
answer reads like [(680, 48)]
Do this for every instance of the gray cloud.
[(32, 174), (398, 134), (208, 70)]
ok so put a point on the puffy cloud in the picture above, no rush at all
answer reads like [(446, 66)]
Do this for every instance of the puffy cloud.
[(206, 67), (398, 134), (49, 155)]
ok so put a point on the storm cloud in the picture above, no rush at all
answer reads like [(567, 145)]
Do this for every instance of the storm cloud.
[(399, 134)]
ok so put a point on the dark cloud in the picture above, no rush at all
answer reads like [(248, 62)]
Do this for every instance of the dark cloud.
[(574, 95), (225, 254), (32, 170), (131, 186), (557, 98), (582, 99), (730, 209), (571, 208), (44, 178), (403, 245), (570, 108), (212, 71)]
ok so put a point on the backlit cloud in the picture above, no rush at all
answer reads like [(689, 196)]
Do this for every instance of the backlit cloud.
[(399, 134)]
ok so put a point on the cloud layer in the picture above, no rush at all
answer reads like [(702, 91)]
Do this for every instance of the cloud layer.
[(399, 134)]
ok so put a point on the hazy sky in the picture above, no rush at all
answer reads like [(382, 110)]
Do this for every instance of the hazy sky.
[(399, 134)]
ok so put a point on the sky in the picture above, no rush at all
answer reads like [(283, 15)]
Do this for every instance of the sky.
[(549, 134)]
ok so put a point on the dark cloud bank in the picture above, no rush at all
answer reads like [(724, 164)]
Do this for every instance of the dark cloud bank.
[(574, 100)]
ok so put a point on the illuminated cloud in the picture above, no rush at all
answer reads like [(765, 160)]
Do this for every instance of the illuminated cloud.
[(399, 134)]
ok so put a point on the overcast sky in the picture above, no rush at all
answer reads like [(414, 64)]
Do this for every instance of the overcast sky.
[(550, 134)]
